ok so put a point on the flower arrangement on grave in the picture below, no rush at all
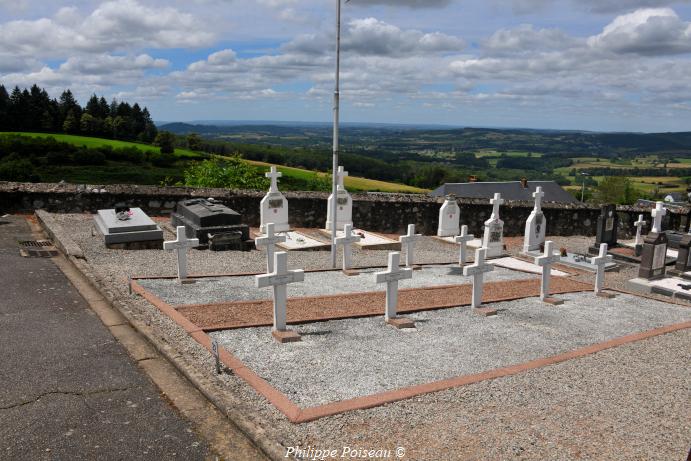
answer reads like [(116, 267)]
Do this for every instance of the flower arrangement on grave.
[(563, 251)]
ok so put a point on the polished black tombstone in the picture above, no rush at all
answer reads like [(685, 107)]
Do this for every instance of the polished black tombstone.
[(683, 263), (607, 225), (213, 223), (654, 256)]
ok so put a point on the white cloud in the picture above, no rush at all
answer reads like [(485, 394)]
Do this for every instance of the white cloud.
[(112, 26), (647, 32)]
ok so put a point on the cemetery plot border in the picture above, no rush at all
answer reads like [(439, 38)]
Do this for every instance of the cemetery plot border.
[(298, 415), (256, 313)]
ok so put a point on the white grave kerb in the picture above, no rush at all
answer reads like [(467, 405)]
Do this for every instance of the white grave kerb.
[(274, 206), (269, 240), (477, 271), (180, 246), (463, 241), (493, 238), (408, 241), (391, 276), (546, 261), (449, 218), (347, 241), (536, 224), (658, 213), (344, 202), (279, 280), (599, 262), (639, 227)]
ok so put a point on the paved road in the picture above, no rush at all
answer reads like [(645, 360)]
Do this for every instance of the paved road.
[(68, 389)]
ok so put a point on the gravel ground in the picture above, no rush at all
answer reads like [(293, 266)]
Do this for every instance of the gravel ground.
[(447, 343), (628, 403), (213, 290)]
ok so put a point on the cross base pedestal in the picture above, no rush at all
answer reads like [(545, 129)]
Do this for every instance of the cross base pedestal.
[(605, 295), (485, 311), (287, 336), (553, 301), (401, 323)]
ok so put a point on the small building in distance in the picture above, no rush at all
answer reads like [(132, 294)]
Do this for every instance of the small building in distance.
[(512, 190)]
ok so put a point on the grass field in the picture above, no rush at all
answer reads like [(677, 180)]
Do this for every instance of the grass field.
[(138, 174), (98, 142), (351, 183), (494, 153)]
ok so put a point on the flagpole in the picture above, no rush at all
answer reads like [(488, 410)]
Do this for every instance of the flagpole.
[(336, 109)]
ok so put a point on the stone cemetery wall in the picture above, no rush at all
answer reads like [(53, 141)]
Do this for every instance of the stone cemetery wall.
[(389, 213)]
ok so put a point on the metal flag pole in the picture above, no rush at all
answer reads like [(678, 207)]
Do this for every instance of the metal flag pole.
[(337, 98)]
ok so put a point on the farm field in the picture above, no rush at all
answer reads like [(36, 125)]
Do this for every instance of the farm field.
[(90, 142), (133, 174), (352, 183)]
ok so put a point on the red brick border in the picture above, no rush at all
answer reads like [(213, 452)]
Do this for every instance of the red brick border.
[(298, 415)]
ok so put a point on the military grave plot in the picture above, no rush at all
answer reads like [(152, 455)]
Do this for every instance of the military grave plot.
[(400, 328)]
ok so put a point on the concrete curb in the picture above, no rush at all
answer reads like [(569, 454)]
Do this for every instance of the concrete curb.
[(268, 446), (58, 235)]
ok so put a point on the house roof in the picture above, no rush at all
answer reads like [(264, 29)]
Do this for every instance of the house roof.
[(508, 190)]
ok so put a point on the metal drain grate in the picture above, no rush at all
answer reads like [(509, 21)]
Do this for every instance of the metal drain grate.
[(35, 243), (37, 248)]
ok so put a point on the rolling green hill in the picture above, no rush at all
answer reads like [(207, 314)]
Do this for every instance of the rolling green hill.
[(118, 172)]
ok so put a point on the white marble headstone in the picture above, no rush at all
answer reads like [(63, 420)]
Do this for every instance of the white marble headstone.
[(344, 203), (274, 206), (493, 238), (535, 225), (449, 218)]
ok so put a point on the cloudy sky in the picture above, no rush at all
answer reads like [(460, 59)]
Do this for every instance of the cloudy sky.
[(600, 65)]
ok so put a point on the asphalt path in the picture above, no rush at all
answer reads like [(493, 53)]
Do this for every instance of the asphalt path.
[(68, 389)]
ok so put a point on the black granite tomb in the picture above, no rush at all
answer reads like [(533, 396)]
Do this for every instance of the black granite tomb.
[(213, 223), (654, 256), (607, 225), (683, 263)]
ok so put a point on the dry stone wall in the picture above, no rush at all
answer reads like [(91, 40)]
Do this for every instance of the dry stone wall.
[(390, 213)]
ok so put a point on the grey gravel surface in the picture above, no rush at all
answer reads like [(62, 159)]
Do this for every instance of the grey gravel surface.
[(628, 403), (357, 357), (242, 288)]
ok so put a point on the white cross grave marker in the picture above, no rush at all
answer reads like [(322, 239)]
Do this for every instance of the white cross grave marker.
[(279, 280), (463, 240), (546, 261), (341, 175), (639, 226), (496, 202), (658, 213), (347, 241), (391, 277), (599, 262), (180, 246), (478, 271), (269, 240), (409, 241), (274, 174)]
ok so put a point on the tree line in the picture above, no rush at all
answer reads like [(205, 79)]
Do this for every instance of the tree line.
[(34, 110)]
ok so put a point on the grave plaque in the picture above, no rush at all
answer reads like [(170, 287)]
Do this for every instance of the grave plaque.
[(653, 256), (212, 223), (607, 224)]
